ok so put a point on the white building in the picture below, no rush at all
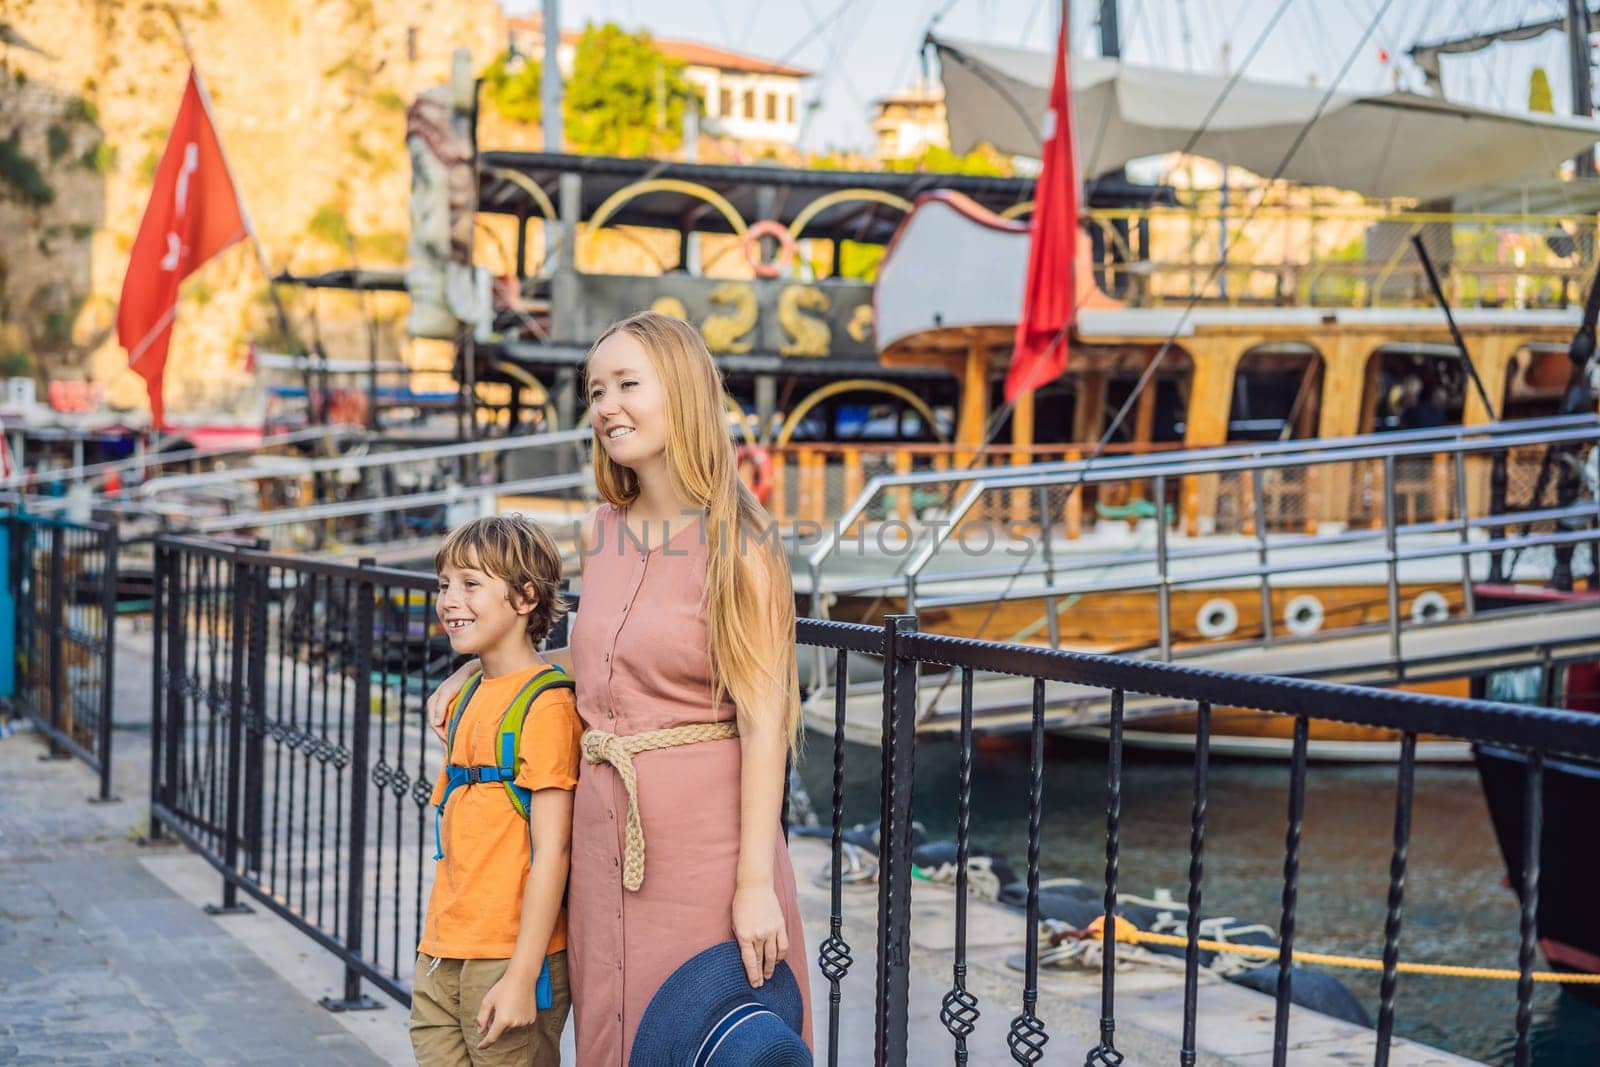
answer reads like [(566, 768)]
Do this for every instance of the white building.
[(910, 121), (751, 100)]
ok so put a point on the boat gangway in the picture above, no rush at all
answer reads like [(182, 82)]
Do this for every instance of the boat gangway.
[(1373, 560)]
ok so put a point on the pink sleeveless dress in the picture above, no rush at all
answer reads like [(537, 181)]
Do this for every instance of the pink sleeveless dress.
[(640, 656)]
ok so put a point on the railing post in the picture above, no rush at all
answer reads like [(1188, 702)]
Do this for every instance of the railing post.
[(894, 847), (256, 700), (175, 687), (1498, 479), (108, 663), (1047, 533), (1163, 583), (238, 621), (1391, 544), (1258, 499), (360, 780), (158, 724), (57, 580), (1469, 603)]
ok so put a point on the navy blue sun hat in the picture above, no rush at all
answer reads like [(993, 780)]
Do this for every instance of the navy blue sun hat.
[(706, 1015)]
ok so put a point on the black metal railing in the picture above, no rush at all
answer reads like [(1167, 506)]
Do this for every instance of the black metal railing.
[(61, 584), (291, 750), (1536, 731)]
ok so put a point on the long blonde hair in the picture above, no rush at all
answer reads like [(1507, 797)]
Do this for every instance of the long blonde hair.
[(701, 463)]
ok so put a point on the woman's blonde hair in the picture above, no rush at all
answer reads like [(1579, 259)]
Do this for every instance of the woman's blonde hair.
[(740, 535)]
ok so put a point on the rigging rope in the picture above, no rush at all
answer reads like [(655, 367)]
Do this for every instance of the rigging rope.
[(1154, 365)]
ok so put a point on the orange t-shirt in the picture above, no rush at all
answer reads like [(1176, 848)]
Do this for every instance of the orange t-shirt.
[(476, 903)]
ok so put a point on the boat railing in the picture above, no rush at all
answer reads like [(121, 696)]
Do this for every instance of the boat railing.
[(1384, 514), (148, 461), (1300, 254), (871, 497), (872, 491), (396, 458)]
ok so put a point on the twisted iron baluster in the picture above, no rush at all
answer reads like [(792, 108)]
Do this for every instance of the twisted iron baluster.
[(1532, 832), (1291, 892), (1027, 1036), (1197, 868), (1106, 1052), (1397, 888), (833, 958), (959, 1009)]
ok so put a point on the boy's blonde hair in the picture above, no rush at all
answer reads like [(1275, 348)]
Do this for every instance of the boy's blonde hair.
[(517, 551)]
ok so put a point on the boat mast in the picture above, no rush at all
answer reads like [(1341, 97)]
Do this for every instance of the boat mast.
[(1110, 48), (1579, 28), (1110, 39)]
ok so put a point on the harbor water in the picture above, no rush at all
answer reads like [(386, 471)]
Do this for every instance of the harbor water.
[(1458, 909)]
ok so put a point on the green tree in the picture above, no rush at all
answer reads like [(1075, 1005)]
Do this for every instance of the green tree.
[(982, 160), (625, 96), (514, 93), (1539, 92)]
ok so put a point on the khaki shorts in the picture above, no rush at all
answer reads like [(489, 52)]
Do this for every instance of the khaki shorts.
[(444, 1016)]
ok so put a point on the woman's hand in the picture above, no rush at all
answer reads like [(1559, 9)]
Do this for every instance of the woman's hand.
[(439, 700), (759, 927)]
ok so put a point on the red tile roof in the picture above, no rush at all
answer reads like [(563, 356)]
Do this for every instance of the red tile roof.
[(692, 53)]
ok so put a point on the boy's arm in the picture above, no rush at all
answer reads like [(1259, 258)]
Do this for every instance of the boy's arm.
[(510, 1003)]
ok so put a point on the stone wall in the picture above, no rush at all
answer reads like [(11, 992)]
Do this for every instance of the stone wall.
[(309, 98)]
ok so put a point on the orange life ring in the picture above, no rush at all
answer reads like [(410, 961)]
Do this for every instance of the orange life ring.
[(761, 476), (752, 247)]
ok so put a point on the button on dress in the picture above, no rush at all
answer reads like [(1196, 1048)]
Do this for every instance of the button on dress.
[(641, 661)]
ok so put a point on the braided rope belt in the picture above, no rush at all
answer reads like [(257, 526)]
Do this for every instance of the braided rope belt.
[(618, 751)]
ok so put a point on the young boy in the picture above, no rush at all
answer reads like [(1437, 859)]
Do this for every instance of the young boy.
[(491, 981)]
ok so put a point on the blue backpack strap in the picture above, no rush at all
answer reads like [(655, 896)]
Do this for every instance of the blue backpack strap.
[(454, 776)]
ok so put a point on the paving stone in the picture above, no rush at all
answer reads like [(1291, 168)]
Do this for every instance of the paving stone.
[(106, 965)]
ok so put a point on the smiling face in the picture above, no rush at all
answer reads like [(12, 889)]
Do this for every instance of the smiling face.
[(627, 404), (477, 612)]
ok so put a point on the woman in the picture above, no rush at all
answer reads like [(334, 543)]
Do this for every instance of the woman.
[(684, 658)]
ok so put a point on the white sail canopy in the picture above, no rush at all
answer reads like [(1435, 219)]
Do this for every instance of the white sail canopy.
[(1390, 145)]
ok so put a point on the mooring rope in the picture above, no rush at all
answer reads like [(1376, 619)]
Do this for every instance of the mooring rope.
[(1127, 932)]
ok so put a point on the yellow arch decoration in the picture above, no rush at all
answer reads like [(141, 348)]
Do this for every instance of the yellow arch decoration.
[(1016, 211), (541, 394), (609, 206), (540, 198), (865, 385), (844, 196)]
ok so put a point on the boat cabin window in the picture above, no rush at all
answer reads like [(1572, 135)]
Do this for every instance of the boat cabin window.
[(865, 418), (1170, 415), (1413, 387), (1536, 378), (1277, 394)]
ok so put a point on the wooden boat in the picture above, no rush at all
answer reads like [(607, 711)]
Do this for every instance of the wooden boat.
[(1567, 924)]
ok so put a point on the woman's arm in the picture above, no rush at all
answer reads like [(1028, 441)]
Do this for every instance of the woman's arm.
[(758, 921), (439, 700)]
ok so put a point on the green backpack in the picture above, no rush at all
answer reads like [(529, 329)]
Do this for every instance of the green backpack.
[(507, 750)]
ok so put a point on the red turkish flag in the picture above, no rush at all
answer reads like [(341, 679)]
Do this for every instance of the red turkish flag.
[(1040, 354), (193, 214)]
